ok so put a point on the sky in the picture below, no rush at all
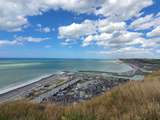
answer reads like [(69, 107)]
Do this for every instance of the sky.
[(109, 29)]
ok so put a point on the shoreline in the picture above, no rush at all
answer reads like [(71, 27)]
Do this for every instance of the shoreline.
[(68, 87), (19, 90), (26, 89), (22, 84), (18, 85)]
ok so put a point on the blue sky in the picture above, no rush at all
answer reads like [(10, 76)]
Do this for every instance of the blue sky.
[(80, 28)]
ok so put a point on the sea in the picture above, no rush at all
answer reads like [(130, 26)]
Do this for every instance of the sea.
[(15, 73)]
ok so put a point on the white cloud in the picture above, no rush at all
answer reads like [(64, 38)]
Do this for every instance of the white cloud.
[(146, 22), (119, 39), (7, 42), (108, 26), (155, 32), (30, 39), (75, 30), (21, 40), (112, 33), (87, 41), (104, 36), (115, 34), (119, 10), (129, 52), (44, 29), (14, 13), (152, 43)]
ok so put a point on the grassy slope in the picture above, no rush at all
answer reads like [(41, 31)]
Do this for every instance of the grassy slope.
[(139, 100)]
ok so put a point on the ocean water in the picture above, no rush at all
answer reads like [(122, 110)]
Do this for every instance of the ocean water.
[(18, 72)]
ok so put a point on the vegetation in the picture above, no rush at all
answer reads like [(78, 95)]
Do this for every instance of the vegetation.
[(136, 100)]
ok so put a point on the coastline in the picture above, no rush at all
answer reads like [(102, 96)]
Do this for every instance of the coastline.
[(69, 79), (22, 84), (19, 85), (132, 100), (68, 87), (14, 93)]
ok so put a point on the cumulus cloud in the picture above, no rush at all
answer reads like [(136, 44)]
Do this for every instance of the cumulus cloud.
[(75, 30), (146, 22), (88, 27), (102, 33), (14, 13), (20, 40), (116, 38), (111, 32), (87, 41), (118, 10), (108, 26), (155, 32)]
